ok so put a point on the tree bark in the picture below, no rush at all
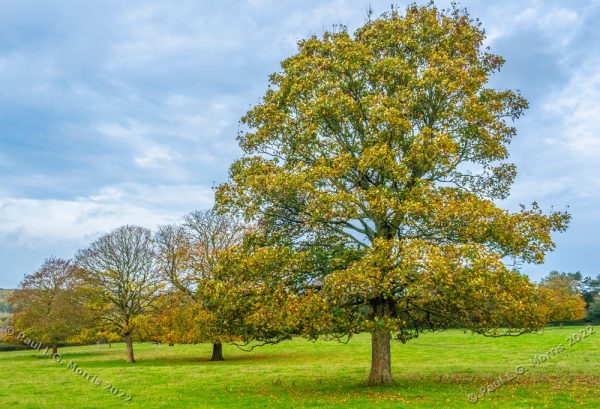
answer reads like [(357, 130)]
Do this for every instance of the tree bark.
[(217, 354), (129, 343), (381, 361), (54, 349)]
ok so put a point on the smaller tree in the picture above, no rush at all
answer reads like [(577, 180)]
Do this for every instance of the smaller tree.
[(122, 270), (593, 312), (189, 257), (47, 305), (175, 319), (565, 302), (590, 289)]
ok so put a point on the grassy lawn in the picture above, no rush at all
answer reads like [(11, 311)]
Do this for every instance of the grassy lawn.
[(435, 370)]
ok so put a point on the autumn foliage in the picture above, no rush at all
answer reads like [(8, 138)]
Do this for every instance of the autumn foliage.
[(563, 300), (389, 145)]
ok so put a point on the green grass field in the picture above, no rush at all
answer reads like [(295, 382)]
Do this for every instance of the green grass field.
[(435, 370)]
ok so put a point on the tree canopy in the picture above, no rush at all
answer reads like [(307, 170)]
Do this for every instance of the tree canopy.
[(565, 299), (388, 145), (190, 258), (122, 271), (49, 303), (593, 313)]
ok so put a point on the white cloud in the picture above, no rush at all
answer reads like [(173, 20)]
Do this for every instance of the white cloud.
[(532, 188), (577, 105), (558, 24), (155, 33), (154, 156), (79, 219), (39, 72), (147, 153)]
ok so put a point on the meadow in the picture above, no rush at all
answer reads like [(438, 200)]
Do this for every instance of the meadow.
[(435, 370), (438, 369)]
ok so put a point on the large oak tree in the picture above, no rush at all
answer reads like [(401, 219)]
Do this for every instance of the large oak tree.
[(390, 145)]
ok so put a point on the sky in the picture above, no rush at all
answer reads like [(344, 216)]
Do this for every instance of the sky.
[(117, 112)]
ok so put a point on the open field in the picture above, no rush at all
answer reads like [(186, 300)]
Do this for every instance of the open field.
[(436, 370)]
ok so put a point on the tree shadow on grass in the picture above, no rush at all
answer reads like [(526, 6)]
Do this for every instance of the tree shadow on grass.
[(235, 358)]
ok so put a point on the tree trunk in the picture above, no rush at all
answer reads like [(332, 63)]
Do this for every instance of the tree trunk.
[(54, 349), (381, 361), (129, 343), (217, 354)]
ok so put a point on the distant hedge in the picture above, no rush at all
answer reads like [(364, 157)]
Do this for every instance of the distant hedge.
[(9, 347)]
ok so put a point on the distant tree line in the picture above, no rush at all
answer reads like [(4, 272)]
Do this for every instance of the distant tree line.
[(208, 279), (576, 296), (4, 305)]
